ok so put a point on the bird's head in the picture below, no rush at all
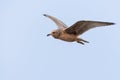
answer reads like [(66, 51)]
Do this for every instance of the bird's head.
[(54, 33)]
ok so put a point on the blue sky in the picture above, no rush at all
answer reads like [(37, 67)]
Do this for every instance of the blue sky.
[(27, 54)]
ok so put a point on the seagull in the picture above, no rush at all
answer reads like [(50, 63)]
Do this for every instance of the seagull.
[(70, 34)]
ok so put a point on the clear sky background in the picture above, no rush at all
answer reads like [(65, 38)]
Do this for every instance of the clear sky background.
[(27, 54)]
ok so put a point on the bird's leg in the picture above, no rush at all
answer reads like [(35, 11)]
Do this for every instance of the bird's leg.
[(81, 41), (84, 40)]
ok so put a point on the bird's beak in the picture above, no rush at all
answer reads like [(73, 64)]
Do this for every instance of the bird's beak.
[(48, 34)]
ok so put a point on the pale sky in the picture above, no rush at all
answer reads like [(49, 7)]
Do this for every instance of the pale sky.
[(28, 54)]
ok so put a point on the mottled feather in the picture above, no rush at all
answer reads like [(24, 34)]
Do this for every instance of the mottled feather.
[(82, 26)]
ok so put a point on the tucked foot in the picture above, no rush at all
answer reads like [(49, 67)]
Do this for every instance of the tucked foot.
[(84, 40), (81, 41)]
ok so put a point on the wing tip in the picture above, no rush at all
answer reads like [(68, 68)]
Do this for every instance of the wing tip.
[(111, 23), (45, 15)]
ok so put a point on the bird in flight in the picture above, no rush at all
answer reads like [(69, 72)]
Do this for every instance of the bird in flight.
[(70, 34)]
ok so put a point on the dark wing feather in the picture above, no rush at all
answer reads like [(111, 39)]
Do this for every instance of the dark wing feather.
[(82, 26)]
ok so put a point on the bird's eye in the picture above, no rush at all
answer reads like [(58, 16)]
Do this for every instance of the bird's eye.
[(53, 32)]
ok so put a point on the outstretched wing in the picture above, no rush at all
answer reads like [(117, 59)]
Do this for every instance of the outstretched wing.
[(82, 26), (59, 23)]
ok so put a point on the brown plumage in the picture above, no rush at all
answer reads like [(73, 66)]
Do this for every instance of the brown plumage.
[(71, 33)]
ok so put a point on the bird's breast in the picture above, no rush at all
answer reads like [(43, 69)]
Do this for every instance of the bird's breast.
[(67, 37)]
